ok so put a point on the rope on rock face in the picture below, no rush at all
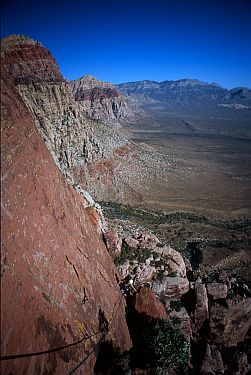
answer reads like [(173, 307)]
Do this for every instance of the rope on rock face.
[(8, 357), (27, 355), (105, 330), (85, 359)]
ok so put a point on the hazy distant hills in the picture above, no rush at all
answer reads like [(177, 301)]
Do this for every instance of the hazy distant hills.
[(239, 94), (186, 92)]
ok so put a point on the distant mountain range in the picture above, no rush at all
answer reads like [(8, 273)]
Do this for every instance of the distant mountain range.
[(187, 92)]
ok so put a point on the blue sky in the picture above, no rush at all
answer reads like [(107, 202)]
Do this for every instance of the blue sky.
[(122, 41)]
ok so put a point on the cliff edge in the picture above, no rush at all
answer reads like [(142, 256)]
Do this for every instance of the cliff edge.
[(58, 282)]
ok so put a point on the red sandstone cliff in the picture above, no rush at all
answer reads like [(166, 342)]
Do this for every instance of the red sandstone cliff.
[(58, 278)]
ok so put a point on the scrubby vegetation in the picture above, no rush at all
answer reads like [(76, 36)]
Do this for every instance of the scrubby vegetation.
[(176, 305), (130, 254), (167, 346), (204, 241), (160, 346), (159, 217)]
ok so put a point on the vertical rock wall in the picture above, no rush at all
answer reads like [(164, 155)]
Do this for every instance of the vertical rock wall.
[(58, 279)]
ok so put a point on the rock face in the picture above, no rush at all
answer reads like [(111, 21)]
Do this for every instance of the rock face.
[(201, 307), (27, 61), (229, 325), (101, 100), (58, 280), (239, 95), (173, 282), (52, 107), (76, 142), (147, 303), (212, 363), (217, 290), (113, 242)]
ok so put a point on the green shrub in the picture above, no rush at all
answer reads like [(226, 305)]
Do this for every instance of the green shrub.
[(130, 254), (176, 305), (166, 346)]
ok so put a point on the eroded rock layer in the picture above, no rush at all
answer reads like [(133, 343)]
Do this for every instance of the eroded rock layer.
[(101, 100), (28, 61), (73, 139)]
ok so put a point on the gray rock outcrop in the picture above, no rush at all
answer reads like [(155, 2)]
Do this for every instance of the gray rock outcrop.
[(217, 290), (229, 324), (212, 362), (101, 100), (201, 306)]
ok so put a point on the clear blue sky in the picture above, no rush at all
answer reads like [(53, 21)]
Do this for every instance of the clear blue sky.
[(126, 40)]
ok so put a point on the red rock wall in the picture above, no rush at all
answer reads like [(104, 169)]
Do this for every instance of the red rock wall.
[(56, 271)]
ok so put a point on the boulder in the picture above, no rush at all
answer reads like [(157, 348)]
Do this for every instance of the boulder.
[(147, 240), (125, 268), (217, 290), (171, 287), (201, 305), (174, 263), (146, 274), (131, 242), (230, 324), (212, 362), (113, 242), (185, 321), (147, 303)]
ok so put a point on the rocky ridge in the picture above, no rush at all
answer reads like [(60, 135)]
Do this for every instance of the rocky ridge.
[(101, 100), (186, 92), (27, 61)]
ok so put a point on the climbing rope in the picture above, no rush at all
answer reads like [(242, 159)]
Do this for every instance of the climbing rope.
[(96, 346), (8, 357), (26, 355)]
